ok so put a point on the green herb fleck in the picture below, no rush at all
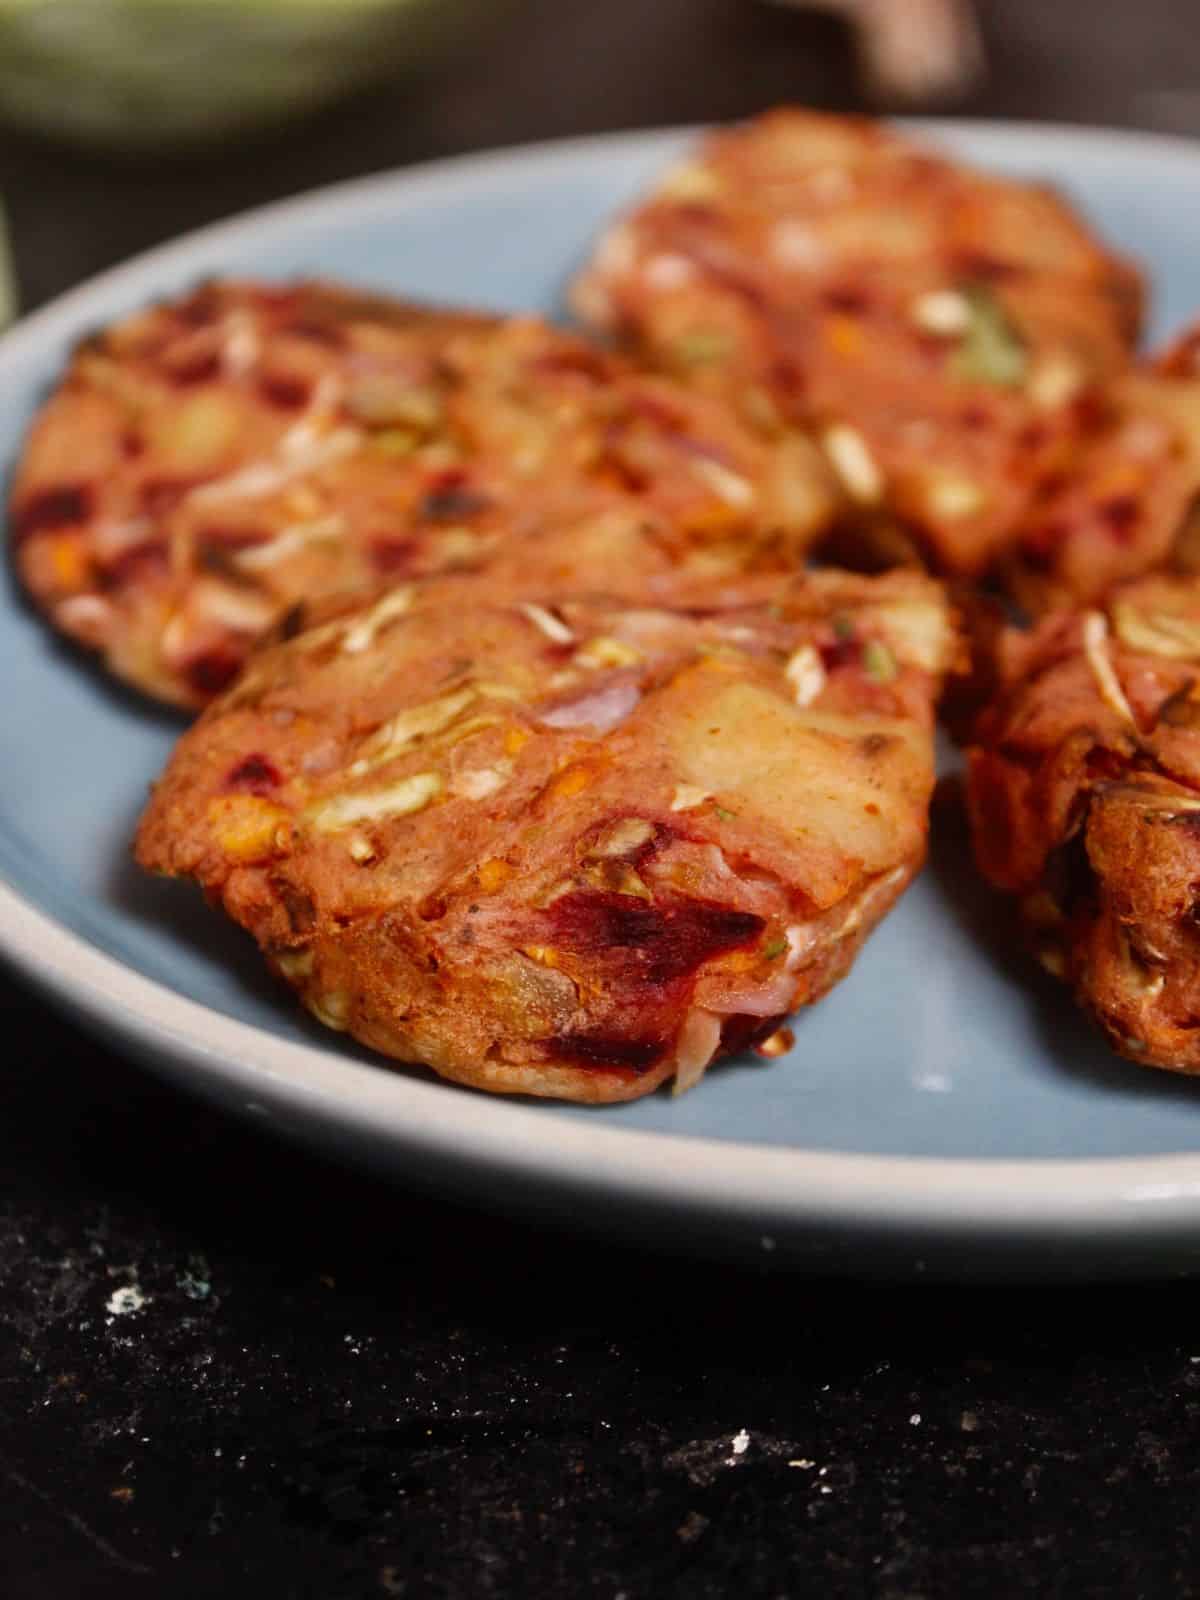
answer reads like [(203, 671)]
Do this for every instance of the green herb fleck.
[(725, 816), (702, 347), (843, 626), (879, 661), (991, 350), (774, 949)]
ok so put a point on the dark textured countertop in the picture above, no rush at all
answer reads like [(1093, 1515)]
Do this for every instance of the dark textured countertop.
[(227, 1368)]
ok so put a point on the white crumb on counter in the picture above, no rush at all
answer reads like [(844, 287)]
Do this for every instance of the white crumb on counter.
[(124, 1301)]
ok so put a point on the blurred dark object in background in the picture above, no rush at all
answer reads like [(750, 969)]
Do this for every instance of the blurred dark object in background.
[(910, 52)]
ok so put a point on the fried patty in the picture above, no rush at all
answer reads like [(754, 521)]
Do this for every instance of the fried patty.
[(935, 327), (1084, 797), (568, 848), (1127, 498), (207, 463)]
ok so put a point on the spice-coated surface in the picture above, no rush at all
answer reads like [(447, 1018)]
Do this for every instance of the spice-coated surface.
[(577, 849), (208, 462), (937, 328)]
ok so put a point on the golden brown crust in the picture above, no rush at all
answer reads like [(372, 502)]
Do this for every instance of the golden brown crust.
[(209, 462), (1084, 796), (573, 849), (1127, 498), (834, 272), (1181, 358)]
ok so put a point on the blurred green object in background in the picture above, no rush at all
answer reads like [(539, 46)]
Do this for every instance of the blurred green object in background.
[(155, 74), (8, 276)]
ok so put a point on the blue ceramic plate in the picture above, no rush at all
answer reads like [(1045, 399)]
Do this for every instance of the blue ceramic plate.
[(945, 1109)]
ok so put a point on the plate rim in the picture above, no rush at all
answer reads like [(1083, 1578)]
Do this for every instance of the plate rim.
[(761, 1188)]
